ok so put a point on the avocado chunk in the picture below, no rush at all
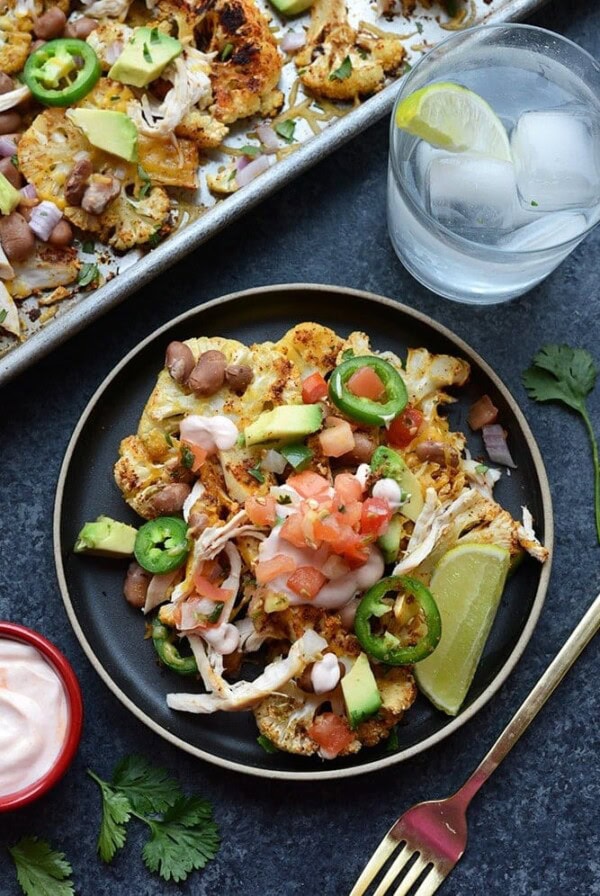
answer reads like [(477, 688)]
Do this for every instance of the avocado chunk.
[(9, 197), (113, 132), (292, 7), (145, 57), (389, 542), (361, 695), (388, 464), (287, 423), (106, 537)]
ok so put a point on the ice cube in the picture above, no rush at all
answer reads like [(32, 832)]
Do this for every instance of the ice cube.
[(556, 159), (424, 154), (550, 229), (472, 192)]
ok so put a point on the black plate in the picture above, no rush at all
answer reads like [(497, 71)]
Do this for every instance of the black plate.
[(111, 632)]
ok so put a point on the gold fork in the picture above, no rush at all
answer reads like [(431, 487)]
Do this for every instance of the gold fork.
[(433, 835)]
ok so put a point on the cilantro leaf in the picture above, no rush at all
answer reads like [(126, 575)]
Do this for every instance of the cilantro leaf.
[(182, 841), (41, 871), (562, 373), (268, 746), (116, 812), (3, 315), (88, 274), (257, 473), (226, 52), (392, 744), (286, 129), (343, 72), (147, 788)]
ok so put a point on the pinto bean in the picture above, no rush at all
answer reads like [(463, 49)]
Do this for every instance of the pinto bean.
[(6, 83), (239, 377), (100, 190), (35, 46), (364, 447), (136, 584), (437, 453), (76, 182), (50, 24), (62, 235), (179, 361), (171, 498), (9, 122), (11, 173), (208, 375), (16, 237), (81, 27)]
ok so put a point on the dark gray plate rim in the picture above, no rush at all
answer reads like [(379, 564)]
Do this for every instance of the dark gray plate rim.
[(512, 658)]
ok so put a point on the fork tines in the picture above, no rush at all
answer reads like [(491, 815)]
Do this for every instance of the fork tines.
[(382, 855)]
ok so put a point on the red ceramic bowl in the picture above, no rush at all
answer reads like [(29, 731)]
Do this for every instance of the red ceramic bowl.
[(65, 672)]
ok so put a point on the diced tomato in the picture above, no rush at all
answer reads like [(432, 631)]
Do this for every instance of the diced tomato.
[(375, 517), (205, 588), (199, 454), (261, 510), (306, 582), (314, 388), (292, 530), (327, 529), (405, 427), (365, 383), (355, 549), (350, 514), (348, 488), (211, 570), (309, 484), (337, 439), (482, 413), (267, 570), (332, 733)]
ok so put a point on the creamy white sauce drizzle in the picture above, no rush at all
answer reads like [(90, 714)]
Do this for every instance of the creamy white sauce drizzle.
[(33, 716), (325, 674), (333, 594), (217, 433), (390, 491)]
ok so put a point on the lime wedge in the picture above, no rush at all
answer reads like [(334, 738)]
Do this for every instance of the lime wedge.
[(467, 585), (454, 118)]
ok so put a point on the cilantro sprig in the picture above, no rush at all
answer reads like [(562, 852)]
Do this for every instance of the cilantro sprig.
[(183, 836), (562, 373), (41, 870)]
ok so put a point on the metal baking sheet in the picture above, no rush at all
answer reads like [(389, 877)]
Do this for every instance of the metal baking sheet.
[(126, 274)]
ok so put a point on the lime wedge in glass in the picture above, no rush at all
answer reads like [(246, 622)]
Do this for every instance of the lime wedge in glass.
[(467, 585), (454, 118)]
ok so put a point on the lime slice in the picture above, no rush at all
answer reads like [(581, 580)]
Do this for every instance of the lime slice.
[(452, 117), (467, 585)]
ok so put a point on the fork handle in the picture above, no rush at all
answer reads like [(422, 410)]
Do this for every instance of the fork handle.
[(532, 704)]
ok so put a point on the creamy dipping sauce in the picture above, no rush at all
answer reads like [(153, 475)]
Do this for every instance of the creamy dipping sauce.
[(33, 716)]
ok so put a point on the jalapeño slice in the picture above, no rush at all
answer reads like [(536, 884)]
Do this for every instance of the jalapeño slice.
[(365, 410), (62, 71), (161, 545), (385, 646)]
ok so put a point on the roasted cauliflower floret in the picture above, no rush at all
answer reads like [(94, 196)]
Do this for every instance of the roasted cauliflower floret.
[(340, 63), (202, 128), (247, 63), (14, 50)]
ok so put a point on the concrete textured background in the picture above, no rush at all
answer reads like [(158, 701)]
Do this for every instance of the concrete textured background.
[(534, 829)]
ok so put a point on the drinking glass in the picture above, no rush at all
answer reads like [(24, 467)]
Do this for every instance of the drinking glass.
[(478, 231)]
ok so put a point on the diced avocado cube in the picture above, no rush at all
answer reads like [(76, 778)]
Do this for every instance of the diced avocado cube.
[(389, 542), (292, 7), (286, 423), (361, 695), (388, 464), (106, 537), (145, 57), (9, 197), (113, 132)]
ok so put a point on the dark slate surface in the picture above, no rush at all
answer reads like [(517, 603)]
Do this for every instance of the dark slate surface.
[(533, 830)]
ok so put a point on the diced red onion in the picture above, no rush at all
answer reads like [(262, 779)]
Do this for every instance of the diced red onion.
[(44, 218), (242, 162), (292, 41), (112, 52), (494, 440), (8, 147), (267, 137), (274, 462), (29, 191), (252, 170)]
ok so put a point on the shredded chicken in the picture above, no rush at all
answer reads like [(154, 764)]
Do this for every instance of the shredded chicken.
[(213, 540), (14, 97), (244, 694), (191, 84), (529, 539), (115, 9)]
